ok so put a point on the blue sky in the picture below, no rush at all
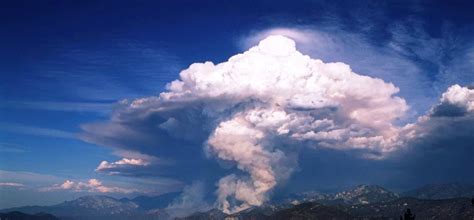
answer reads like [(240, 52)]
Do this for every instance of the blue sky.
[(66, 66)]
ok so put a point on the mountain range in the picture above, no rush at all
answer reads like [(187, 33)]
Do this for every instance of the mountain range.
[(362, 202), (459, 209), (441, 191), (105, 207), (444, 201)]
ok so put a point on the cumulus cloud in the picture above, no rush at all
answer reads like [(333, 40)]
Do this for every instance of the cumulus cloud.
[(439, 145), (92, 185), (134, 164), (454, 109), (420, 64), (124, 166), (456, 101), (254, 110)]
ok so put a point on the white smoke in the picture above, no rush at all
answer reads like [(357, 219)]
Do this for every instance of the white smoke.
[(191, 200)]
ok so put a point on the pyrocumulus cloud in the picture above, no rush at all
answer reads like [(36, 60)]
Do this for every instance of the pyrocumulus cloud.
[(256, 109)]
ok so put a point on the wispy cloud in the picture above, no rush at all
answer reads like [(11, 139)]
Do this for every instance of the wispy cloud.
[(36, 131), (116, 70), (11, 148), (99, 107), (11, 184), (27, 178)]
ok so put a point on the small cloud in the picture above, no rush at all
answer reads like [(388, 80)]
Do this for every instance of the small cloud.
[(456, 101), (122, 162), (139, 167), (122, 167)]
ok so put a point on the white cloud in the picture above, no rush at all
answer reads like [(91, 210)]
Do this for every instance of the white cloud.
[(459, 96), (122, 162), (122, 166), (388, 59), (92, 185), (292, 94), (133, 164), (456, 106), (256, 109), (273, 91)]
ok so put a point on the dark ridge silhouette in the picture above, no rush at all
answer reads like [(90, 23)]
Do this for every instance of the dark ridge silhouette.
[(408, 215), (23, 216)]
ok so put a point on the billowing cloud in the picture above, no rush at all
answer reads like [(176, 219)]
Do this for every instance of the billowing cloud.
[(421, 64), (255, 110)]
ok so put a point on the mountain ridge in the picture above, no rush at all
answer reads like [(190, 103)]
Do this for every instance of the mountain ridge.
[(361, 200)]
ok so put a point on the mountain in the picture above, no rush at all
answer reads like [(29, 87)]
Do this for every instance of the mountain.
[(262, 212), (84, 206), (302, 197), (23, 216), (460, 208), (361, 194), (311, 210), (96, 205), (153, 202), (365, 194), (103, 207), (213, 214), (361, 202), (441, 191)]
